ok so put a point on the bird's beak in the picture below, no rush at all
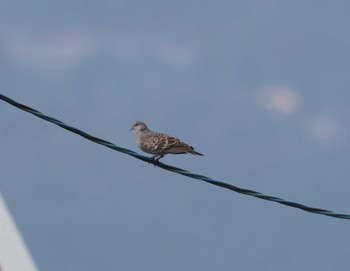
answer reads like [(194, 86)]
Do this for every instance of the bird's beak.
[(132, 128)]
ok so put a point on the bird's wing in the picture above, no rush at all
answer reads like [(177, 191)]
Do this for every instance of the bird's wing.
[(172, 144)]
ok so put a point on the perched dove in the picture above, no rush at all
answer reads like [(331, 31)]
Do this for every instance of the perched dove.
[(159, 144)]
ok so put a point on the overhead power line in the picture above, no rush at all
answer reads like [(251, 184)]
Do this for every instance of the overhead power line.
[(172, 168)]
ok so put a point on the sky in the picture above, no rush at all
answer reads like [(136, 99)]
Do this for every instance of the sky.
[(260, 87)]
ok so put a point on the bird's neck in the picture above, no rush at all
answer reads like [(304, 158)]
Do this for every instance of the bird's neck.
[(144, 130), (140, 134)]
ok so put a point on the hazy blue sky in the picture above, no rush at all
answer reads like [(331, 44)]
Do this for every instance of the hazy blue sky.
[(262, 88)]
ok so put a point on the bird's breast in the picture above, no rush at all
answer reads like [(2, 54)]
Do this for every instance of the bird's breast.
[(138, 140)]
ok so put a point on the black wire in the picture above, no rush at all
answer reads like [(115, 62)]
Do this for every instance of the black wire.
[(172, 168)]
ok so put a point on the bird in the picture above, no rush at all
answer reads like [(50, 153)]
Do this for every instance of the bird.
[(159, 144)]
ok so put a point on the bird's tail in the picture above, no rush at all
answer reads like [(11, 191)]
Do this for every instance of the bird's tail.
[(196, 153)]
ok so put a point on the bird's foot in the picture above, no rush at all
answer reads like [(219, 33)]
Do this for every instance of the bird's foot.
[(155, 159)]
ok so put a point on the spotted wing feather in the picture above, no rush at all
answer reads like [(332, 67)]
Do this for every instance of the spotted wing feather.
[(161, 144), (173, 145)]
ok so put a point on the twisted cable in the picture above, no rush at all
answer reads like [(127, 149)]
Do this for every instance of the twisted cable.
[(172, 168)]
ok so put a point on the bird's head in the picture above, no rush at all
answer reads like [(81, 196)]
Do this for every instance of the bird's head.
[(139, 126)]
